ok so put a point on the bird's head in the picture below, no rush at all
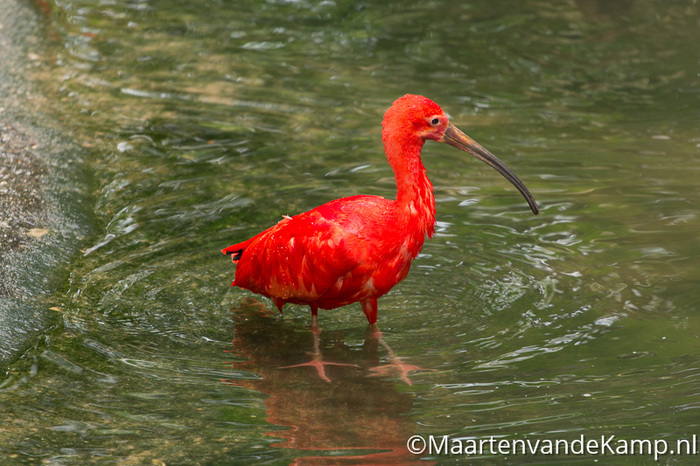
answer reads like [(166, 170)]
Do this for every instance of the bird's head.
[(417, 118)]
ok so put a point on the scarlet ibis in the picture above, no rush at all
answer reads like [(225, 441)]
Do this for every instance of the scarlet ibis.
[(357, 248)]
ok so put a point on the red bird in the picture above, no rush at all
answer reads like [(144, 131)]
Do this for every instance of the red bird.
[(357, 248)]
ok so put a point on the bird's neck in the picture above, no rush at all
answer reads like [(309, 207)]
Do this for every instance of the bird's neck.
[(415, 200)]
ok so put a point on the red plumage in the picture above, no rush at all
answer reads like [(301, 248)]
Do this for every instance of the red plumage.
[(357, 248)]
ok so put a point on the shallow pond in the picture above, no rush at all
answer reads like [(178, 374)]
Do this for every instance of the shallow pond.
[(202, 122)]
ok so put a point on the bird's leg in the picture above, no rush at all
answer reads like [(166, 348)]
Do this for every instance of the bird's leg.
[(314, 318), (369, 306), (317, 361), (395, 362)]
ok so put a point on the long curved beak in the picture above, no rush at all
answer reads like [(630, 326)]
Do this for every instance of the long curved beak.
[(456, 138)]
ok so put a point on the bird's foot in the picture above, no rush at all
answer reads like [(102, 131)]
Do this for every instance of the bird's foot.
[(396, 365), (317, 361), (320, 365)]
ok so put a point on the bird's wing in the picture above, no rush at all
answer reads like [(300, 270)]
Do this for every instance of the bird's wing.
[(304, 257)]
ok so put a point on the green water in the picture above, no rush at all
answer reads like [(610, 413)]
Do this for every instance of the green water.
[(203, 122)]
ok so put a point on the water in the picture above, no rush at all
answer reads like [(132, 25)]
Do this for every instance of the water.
[(206, 121)]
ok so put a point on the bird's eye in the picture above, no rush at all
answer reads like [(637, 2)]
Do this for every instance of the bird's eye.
[(435, 121)]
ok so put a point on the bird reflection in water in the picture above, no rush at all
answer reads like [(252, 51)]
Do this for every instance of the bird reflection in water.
[(349, 410), (373, 338)]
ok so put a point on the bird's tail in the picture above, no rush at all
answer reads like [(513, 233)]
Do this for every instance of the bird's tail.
[(235, 251)]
